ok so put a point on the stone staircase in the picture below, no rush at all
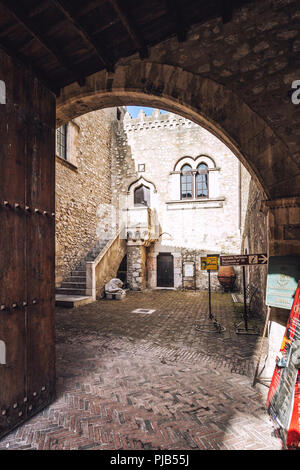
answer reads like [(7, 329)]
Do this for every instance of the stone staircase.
[(72, 291), (96, 250)]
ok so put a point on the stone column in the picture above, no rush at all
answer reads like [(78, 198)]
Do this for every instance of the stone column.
[(284, 239), (152, 270), (136, 265)]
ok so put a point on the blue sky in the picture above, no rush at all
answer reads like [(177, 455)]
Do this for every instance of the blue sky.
[(134, 110)]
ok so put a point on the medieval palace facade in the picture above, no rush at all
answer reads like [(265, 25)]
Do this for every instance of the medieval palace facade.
[(156, 193)]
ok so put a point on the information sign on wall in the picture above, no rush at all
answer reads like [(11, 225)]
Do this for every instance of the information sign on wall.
[(188, 269), (283, 277)]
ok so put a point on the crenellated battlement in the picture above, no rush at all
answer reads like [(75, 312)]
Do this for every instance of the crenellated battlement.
[(156, 121)]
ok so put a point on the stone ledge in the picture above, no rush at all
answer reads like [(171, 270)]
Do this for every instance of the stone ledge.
[(195, 171), (284, 202), (72, 301), (202, 203), (66, 163)]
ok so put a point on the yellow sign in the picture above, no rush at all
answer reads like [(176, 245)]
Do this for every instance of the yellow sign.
[(212, 263), (203, 263), (209, 263)]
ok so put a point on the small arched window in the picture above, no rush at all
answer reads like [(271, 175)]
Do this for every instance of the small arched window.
[(142, 196), (186, 182), (202, 181)]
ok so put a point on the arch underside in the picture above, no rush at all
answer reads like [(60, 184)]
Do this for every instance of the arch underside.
[(200, 100)]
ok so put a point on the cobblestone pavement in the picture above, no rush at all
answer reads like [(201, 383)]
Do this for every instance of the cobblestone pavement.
[(151, 381)]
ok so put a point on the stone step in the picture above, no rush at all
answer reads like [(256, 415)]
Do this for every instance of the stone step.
[(72, 301), (75, 279), (96, 251), (72, 292), (98, 248), (73, 285), (92, 257), (78, 273)]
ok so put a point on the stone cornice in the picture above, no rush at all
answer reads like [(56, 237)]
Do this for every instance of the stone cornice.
[(195, 171), (280, 203), (186, 201), (211, 203)]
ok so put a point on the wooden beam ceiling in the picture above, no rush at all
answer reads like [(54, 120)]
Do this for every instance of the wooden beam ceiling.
[(131, 29), (175, 11), (64, 41), (71, 16), (33, 29)]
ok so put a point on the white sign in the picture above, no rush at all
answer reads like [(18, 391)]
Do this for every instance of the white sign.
[(188, 269)]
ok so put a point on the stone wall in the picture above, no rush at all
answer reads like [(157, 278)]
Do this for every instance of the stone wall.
[(255, 241), (83, 189), (136, 266)]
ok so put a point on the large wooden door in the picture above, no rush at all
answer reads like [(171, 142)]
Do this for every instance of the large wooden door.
[(27, 178), (165, 270)]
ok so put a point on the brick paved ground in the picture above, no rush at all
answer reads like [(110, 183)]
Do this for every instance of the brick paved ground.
[(136, 381)]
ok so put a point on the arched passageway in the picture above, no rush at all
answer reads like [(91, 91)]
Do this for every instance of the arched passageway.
[(222, 112)]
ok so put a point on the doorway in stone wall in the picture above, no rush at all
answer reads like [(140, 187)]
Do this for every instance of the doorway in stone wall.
[(165, 270), (122, 271)]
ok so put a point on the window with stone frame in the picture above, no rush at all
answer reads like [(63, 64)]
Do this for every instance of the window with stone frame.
[(142, 196), (61, 141), (202, 181), (186, 182)]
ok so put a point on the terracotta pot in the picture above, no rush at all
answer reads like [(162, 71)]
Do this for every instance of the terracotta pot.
[(226, 277)]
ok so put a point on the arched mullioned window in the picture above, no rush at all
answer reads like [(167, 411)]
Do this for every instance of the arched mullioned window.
[(202, 181), (186, 182), (142, 196)]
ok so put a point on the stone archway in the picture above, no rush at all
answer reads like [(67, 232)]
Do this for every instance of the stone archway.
[(220, 111), (199, 99)]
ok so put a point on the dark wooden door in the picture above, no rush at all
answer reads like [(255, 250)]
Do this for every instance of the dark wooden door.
[(165, 270), (27, 136)]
